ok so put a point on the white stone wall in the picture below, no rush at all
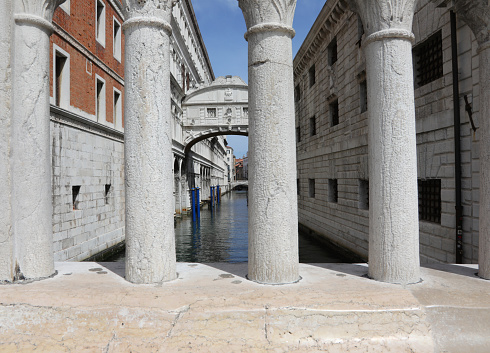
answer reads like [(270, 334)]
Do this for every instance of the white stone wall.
[(91, 158), (5, 121), (340, 152)]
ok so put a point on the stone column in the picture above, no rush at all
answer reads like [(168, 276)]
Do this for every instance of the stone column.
[(393, 196), (150, 237), (30, 158), (476, 13), (273, 211)]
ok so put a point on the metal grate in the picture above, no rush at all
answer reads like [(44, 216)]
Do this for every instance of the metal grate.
[(430, 200), (428, 59)]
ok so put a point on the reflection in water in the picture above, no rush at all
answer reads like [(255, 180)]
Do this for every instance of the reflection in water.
[(222, 236)]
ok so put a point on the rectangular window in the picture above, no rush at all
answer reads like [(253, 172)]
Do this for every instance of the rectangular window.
[(297, 93), (117, 40), (60, 62), (312, 74), (313, 126), (334, 113), (298, 134), (297, 187), (75, 194), (100, 100), (428, 60), (363, 98), (100, 22), (107, 193), (333, 191), (430, 200), (311, 187), (364, 194), (117, 110), (211, 112), (332, 52)]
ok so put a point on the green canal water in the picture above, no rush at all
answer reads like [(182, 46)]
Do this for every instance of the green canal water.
[(221, 235)]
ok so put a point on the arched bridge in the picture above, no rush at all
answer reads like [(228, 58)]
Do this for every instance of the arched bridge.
[(239, 185), (218, 109)]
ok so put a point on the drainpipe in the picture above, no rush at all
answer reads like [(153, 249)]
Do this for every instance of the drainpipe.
[(457, 141)]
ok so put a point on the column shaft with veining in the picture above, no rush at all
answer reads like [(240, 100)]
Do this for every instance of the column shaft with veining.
[(393, 199), (273, 214), (30, 163), (150, 237)]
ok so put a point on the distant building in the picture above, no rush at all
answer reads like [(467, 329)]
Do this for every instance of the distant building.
[(239, 169)]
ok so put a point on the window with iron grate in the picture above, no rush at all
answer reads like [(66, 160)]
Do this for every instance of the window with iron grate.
[(430, 200), (428, 60)]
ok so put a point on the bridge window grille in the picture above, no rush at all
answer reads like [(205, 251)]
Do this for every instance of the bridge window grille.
[(311, 187), (430, 200), (211, 112), (334, 113), (245, 111), (428, 60), (333, 190), (332, 52)]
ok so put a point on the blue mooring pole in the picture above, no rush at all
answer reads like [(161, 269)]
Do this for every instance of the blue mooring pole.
[(193, 193), (218, 195), (198, 203)]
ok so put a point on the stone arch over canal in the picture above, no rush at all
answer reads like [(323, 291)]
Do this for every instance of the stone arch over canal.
[(218, 109)]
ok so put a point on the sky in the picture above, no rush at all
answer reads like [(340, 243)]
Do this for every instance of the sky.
[(222, 27)]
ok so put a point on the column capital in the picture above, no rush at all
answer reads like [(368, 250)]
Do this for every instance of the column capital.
[(268, 15), (386, 16), (476, 14), (36, 12), (156, 13)]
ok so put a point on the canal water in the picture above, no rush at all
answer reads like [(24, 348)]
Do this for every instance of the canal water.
[(222, 236)]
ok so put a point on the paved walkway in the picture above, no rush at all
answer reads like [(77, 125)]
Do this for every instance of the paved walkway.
[(89, 307)]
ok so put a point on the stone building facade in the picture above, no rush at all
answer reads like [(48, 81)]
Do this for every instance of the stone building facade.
[(331, 105), (87, 123)]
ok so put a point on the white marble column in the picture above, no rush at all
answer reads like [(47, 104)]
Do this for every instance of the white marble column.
[(30, 162), (150, 237), (393, 197), (6, 240), (273, 214), (476, 13)]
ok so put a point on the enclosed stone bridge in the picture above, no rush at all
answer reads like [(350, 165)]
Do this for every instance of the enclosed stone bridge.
[(218, 109)]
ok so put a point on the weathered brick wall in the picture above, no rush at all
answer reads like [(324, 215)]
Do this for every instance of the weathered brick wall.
[(79, 27), (90, 157), (340, 152)]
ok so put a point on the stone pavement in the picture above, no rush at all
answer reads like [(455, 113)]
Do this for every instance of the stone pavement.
[(89, 307)]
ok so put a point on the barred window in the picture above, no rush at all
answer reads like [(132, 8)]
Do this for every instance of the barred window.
[(334, 113), (428, 61), (312, 75), (430, 200), (364, 194), (311, 187), (332, 52), (363, 96), (312, 126), (333, 191), (211, 112), (297, 93)]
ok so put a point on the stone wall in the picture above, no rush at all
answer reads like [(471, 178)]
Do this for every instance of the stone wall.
[(91, 156), (340, 151), (5, 118)]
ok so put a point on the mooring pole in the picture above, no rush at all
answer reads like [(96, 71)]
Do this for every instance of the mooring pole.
[(193, 193)]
